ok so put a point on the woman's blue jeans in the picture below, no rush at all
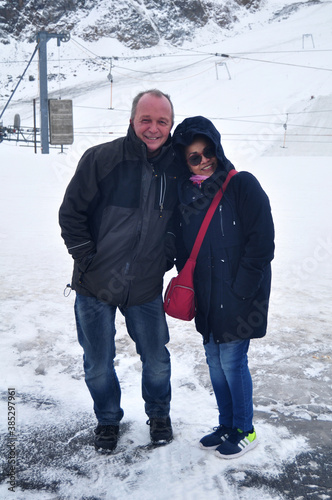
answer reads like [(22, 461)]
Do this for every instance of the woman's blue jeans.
[(231, 382), (146, 325)]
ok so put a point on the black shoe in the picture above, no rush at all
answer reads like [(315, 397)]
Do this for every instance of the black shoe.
[(160, 430), (106, 437)]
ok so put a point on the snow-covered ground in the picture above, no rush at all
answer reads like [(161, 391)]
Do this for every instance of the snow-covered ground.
[(291, 366)]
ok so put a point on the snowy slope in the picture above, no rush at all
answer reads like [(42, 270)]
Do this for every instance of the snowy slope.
[(291, 366), (136, 24)]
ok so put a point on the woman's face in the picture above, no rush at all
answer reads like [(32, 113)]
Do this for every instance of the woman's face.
[(200, 157)]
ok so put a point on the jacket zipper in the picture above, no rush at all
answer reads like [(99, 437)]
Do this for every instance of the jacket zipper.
[(162, 194), (221, 221), (139, 226)]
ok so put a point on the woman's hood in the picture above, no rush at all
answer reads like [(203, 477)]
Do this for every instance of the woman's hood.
[(198, 125)]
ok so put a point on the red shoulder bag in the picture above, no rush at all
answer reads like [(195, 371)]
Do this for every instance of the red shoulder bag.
[(180, 300)]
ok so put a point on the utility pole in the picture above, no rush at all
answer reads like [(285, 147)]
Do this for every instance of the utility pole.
[(42, 38), (110, 78)]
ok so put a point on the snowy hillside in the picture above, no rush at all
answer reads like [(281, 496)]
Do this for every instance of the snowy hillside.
[(135, 24), (278, 73)]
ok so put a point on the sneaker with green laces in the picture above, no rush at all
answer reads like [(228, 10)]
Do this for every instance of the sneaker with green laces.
[(237, 443), (213, 440)]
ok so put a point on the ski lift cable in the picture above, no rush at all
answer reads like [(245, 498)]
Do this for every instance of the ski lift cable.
[(161, 81), (302, 51), (278, 114), (270, 123), (229, 118), (241, 137), (298, 51), (85, 49), (102, 58), (166, 71), (20, 79), (235, 55), (230, 56), (278, 134), (195, 52), (273, 141)]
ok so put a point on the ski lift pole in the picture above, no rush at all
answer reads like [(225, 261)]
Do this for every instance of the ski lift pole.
[(110, 78), (285, 127), (42, 38), (34, 126), (43, 93)]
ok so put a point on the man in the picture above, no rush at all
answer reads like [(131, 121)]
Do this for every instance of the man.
[(114, 220)]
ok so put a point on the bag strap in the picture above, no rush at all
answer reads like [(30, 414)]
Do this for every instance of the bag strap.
[(209, 214)]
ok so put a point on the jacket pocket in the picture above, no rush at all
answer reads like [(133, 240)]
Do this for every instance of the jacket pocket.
[(238, 312)]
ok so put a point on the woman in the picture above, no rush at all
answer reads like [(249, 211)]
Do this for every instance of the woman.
[(232, 276)]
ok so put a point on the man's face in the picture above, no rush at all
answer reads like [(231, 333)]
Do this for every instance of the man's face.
[(153, 122)]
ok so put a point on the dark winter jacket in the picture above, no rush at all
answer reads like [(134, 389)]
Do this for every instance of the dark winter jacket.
[(233, 273), (114, 220)]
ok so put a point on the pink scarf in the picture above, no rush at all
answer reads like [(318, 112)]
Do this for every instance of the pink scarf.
[(198, 179)]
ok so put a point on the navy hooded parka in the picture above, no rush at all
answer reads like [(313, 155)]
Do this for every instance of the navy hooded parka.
[(233, 272)]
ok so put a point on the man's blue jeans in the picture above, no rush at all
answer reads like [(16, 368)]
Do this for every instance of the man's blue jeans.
[(146, 325), (231, 382)]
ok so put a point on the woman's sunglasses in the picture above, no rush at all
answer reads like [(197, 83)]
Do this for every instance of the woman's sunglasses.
[(195, 159)]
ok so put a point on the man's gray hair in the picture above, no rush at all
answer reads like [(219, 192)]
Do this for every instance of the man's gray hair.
[(156, 93)]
